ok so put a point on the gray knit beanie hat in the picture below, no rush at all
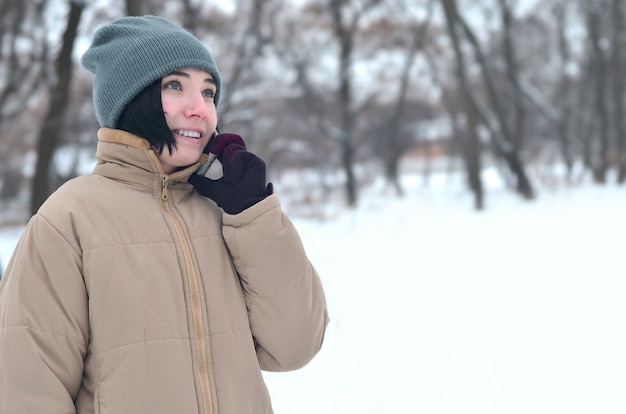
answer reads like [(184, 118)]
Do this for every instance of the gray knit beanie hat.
[(130, 53)]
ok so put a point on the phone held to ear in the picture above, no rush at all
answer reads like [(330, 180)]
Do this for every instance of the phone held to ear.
[(205, 169)]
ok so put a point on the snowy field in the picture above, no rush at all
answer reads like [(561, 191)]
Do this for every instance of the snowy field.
[(438, 309)]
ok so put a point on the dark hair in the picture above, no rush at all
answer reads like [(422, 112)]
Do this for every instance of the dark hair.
[(143, 116)]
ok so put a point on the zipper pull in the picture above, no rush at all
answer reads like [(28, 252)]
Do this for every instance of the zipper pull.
[(164, 188)]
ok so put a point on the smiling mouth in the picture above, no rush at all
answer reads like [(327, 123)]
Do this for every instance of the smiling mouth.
[(187, 133)]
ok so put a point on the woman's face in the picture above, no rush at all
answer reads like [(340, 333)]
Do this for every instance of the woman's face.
[(187, 98)]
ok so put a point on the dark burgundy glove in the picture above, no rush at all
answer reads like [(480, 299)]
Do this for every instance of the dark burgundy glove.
[(242, 183)]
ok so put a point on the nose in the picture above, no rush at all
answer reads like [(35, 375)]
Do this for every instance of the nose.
[(197, 107)]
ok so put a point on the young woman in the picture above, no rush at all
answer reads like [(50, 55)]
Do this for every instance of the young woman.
[(150, 285)]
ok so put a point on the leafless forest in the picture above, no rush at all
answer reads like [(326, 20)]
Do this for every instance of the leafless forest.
[(346, 90)]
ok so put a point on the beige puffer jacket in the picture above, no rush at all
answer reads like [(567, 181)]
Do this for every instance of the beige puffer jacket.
[(130, 293)]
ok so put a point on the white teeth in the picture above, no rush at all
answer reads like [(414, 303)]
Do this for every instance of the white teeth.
[(190, 134)]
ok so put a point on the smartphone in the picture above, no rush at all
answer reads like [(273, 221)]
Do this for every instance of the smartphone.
[(212, 157)]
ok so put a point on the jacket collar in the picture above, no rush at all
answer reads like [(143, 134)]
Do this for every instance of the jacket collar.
[(126, 157)]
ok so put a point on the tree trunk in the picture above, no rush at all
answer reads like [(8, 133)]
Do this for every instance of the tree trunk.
[(472, 156), (347, 146), (344, 35), (564, 92), (618, 88), (599, 76), (133, 8), (507, 144), (524, 186), (49, 134), (471, 149), (394, 151)]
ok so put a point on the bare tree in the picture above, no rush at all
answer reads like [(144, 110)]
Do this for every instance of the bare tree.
[(599, 74), (394, 150), (50, 132), (248, 50), (23, 69), (507, 141), (472, 149), (563, 90), (345, 29), (345, 36), (338, 24), (617, 78), (518, 112), (23, 55)]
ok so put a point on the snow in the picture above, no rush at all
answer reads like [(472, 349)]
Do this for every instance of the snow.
[(436, 308)]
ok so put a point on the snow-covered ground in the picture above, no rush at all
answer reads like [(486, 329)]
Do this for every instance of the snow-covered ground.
[(436, 308)]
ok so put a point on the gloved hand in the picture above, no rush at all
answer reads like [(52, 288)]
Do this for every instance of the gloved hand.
[(242, 183)]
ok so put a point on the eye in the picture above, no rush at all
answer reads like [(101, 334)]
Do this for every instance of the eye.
[(173, 84), (208, 93)]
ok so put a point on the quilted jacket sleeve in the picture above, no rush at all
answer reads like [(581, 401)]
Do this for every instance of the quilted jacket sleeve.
[(43, 324), (284, 294)]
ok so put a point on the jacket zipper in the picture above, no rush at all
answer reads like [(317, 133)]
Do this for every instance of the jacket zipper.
[(196, 308)]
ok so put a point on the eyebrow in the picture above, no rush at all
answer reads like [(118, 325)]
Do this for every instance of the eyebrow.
[(187, 76)]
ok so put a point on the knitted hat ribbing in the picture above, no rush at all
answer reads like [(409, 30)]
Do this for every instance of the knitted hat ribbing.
[(130, 53)]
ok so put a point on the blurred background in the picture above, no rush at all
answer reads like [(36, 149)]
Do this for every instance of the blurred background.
[(455, 169), (336, 94)]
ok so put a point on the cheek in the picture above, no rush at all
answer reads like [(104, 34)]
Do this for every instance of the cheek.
[(212, 118), (167, 104)]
